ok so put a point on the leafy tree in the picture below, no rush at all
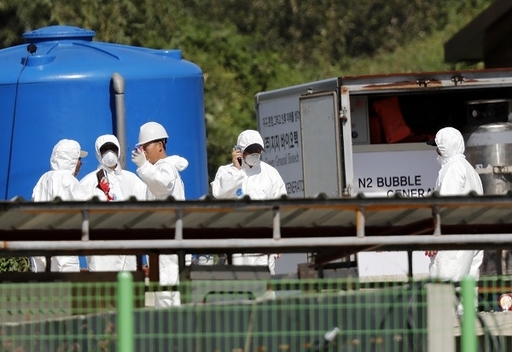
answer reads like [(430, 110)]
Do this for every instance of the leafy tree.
[(247, 46)]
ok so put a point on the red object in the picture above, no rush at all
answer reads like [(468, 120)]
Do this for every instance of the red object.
[(105, 187), (392, 121)]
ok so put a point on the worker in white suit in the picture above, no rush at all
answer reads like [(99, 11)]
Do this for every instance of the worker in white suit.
[(161, 174), (61, 182), (109, 182), (456, 177), (249, 175)]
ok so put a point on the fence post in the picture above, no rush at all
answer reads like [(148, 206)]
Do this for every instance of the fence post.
[(468, 336), (440, 298), (125, 324)]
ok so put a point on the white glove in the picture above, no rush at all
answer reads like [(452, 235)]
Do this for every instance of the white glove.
[(138, 157)]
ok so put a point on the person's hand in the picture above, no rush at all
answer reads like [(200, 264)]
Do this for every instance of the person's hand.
[(430, 254), (104, 186), (236, 156), (138, 157)]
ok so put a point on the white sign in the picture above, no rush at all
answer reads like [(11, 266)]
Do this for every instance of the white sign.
[(279, 126), (383, 174)]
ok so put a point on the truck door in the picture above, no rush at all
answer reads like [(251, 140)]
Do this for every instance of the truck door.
[(326, 146)]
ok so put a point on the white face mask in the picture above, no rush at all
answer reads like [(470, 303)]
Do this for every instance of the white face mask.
[(252, 159), (109, 159)]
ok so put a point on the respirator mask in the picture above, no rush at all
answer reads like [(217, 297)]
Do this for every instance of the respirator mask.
[(253, 159), (109, 159)]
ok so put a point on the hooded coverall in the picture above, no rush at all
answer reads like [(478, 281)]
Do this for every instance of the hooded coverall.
[(456, 177), (60, 182), (261, 181), (123, 185), (163, 180)]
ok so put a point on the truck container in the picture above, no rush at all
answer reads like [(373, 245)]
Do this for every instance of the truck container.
[(366, 135)]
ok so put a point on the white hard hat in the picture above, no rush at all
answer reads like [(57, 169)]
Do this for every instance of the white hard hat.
[(151, 131)]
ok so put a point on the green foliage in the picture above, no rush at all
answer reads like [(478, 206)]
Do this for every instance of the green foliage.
[(247, 46), (329, 28), (14, 264)]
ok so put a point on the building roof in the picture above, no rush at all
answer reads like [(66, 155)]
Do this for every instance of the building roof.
[(469, 43), (333, 227)]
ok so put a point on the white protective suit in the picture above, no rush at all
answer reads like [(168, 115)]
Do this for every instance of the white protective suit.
[(123, 185), (456, 177), (259, 182), (163, 180), (60, 182)]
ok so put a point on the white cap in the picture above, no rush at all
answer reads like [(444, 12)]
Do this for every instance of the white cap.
[(249, 137)]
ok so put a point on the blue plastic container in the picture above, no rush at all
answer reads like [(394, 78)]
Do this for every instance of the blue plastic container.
[(64, 90)]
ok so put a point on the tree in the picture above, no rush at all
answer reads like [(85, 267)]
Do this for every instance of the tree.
[(247, 46)]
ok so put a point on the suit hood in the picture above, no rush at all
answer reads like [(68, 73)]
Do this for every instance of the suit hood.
[(65, 155), (450, 142)]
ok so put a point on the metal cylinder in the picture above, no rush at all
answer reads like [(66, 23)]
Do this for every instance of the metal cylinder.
[(489, 150)]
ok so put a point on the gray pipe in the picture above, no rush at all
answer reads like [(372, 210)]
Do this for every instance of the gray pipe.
[(476, 241), (118, 85)]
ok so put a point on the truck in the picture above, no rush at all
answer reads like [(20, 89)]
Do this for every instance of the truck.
[(353, 136)]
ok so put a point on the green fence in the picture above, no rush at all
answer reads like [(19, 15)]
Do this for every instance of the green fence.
[(255, 315)]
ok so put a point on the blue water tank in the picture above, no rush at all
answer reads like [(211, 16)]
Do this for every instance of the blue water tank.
[(59, 85)]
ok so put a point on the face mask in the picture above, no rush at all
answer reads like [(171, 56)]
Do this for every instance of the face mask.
[(252, 159), (109, 159)]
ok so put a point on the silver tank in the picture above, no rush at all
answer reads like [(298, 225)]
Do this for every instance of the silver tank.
[(489, 150)]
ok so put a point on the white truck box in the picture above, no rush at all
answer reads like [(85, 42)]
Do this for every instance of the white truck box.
[(319, 136)]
